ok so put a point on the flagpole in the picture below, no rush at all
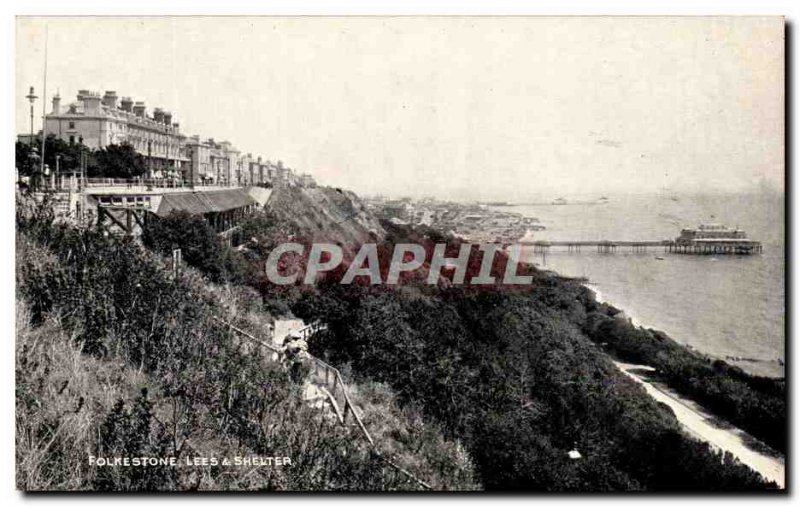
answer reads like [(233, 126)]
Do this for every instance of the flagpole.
[(44, 98)]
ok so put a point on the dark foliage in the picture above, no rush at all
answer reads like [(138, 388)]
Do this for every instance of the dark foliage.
[(755, 404), (132, 432), (69, 156), (118, 161), (512, 374), (200, 245), (113, 161), (521, 385)]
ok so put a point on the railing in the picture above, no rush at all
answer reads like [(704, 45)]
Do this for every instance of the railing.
[(323, 374), (102, 182), (309, 330), (247, 335), (76, 183), (330, 380)]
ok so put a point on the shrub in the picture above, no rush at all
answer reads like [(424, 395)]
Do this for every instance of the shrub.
[(200, 245)]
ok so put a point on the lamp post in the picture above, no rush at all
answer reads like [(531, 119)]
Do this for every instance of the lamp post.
[(31, 96)]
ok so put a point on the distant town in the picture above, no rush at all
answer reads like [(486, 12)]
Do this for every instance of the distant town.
[(476, 222)]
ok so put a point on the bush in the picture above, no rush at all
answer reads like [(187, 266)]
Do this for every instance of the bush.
[(200, 245)]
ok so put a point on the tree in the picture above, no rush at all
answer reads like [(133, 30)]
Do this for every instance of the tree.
[(22, 158), (58, 154), (119, 161), (199, 243), (114, 160)]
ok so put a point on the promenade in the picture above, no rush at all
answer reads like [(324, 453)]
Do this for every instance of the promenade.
[(706, 427)]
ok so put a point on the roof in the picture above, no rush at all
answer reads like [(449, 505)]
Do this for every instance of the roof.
[(205, 202), (724, 239)]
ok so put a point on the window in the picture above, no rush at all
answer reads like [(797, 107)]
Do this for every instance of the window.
[(72, 139), (72, 125)]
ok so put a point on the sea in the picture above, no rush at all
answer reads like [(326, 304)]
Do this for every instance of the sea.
[(727, 306)]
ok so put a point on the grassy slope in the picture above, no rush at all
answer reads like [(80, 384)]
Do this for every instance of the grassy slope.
[(102, 315)]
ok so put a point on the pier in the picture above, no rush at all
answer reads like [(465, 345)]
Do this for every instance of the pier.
[(695, 247)]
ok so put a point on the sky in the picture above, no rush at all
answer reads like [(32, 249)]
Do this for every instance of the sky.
[(508, 108)]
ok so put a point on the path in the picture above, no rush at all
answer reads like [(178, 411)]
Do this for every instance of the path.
[(703, 425)]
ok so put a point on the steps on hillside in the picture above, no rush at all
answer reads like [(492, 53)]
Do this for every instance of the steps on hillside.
[(317, 397)]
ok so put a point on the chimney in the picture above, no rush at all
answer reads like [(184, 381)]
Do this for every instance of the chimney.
[(81, 94), (56, 104), (126, 104), (110, 99), (138, 109), (158, 115), (167, 118), (91, 102)]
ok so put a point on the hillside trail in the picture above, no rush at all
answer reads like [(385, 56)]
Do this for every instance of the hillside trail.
[(702, 425), (317, 398)]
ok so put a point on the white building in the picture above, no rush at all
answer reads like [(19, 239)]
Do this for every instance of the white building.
[(99, 121)]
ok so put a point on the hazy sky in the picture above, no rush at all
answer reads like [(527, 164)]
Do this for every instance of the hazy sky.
[(496, 108)]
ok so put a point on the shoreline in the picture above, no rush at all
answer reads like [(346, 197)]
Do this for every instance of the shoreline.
[(637, 322), (601, 299)]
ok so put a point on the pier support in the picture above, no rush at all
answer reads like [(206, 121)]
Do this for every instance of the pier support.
[(701, 247), (605, 248)]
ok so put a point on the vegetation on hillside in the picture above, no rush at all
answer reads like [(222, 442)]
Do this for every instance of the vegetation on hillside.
[(753, 403), (513, 373), (521, 386), (116, 358), (199, 243), (520, 376)]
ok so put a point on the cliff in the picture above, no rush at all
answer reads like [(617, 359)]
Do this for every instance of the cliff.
[(326, 215)]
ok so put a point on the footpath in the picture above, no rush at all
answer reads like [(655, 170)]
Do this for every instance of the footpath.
[(704, 426)]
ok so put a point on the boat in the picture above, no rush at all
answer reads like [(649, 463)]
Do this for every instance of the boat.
[(560, 201), (659, 258)]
